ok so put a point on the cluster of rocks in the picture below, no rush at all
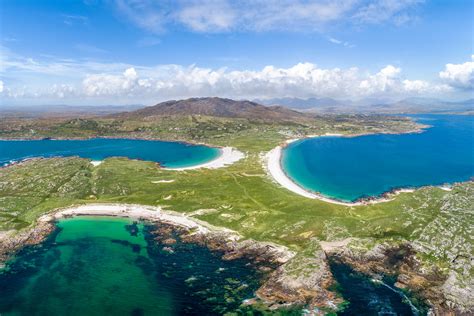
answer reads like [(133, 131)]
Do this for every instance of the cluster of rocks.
[(290, 280), (400, 260), (12, 241)]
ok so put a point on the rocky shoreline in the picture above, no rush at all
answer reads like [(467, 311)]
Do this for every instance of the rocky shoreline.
[(400, 261), (301, 280), (11, 242), (281, 287), (278, 289)]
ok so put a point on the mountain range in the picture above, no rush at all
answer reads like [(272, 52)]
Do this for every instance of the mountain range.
[(408, 105)]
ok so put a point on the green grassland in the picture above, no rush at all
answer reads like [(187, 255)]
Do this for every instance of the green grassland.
[(242, 196), (255, 135)]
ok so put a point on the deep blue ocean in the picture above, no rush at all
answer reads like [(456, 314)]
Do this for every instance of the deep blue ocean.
[(168, 154), (348, 169)]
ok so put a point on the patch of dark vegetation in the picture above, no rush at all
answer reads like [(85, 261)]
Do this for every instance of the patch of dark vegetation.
[(132, 229), (135, 247), (137, 312)]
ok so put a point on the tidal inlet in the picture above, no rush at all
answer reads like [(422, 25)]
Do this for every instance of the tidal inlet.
[(236, 158)]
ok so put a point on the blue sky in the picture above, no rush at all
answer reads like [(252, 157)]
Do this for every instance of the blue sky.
[(143, 51)]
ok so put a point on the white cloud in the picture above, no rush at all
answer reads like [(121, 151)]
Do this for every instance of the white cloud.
[(459, 75), (291, 15), (384, 10), (207, 16), (1, 86), (62, 91), (144, 13), (261, 15), (302, 80), (52, 65), (113, 85), (385, 81), (416, 85), (91, 82), (339, 42)]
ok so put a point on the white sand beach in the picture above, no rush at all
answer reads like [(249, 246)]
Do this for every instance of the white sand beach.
[(156, 214), (274, 168), (272, 164), (228, 156), (131, 211)]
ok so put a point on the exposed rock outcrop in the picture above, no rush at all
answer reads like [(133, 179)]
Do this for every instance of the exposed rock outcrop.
[(400, 260), (12, 241)]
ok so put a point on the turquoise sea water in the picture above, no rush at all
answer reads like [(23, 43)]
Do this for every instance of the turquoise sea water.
[(352, 168), (112, 266), (169, 154)]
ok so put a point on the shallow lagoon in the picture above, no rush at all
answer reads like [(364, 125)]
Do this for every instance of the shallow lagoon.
[(112, 266), (350, 168), (168, 154)]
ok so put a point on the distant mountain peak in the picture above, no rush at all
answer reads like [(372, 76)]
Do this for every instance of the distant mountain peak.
[(220, 107)]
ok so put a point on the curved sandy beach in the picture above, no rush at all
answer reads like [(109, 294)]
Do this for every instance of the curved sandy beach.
[(228, 156), (131, 211), (274, 168), (272, 164), (157, 214)]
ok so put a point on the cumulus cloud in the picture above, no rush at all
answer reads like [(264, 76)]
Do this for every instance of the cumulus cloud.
[(126, 84), (302, 80), (63, 79), (261, 15), (386, 80), (416, 86), (62, 91), (459, 75)]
